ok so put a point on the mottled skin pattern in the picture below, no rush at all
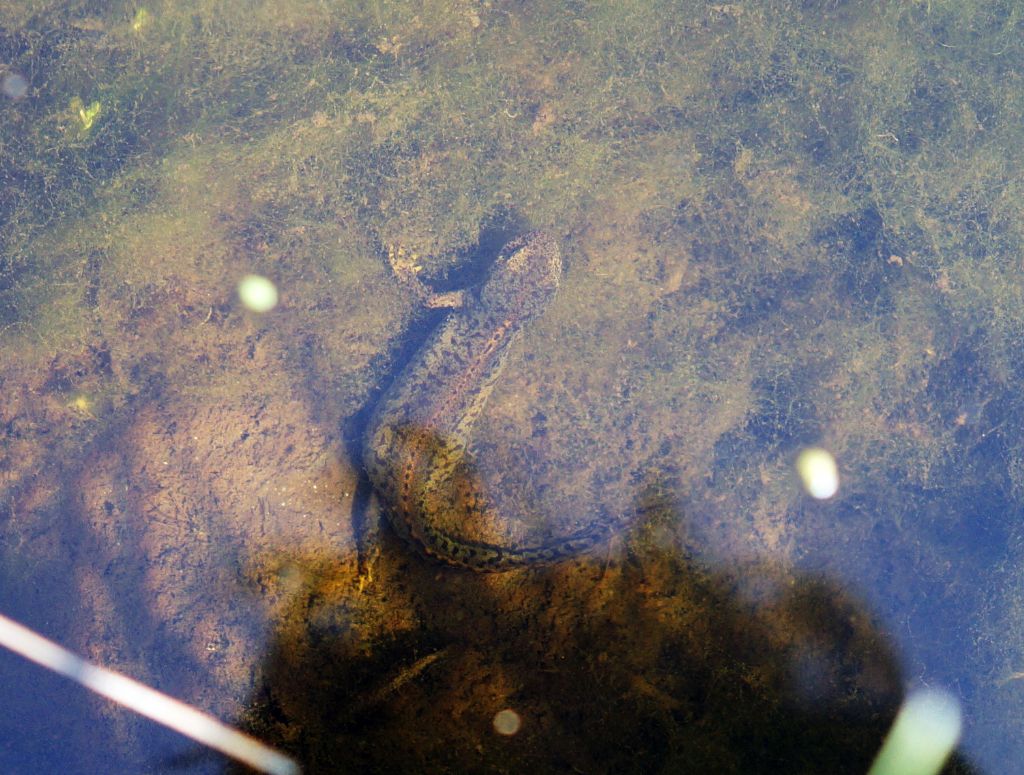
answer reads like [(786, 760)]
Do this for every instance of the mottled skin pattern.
[(415, 445)]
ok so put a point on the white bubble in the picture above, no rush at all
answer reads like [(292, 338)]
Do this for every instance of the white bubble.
[(14, 86), (507, 722), (257, 293), (818, 472), (923, 735)]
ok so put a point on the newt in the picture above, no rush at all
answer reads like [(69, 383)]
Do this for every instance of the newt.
[(416, 446)]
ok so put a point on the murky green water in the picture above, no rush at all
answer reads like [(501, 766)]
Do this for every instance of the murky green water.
[(785, 224)]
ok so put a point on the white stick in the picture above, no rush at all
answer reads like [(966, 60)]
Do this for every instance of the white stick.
[(165, 710)]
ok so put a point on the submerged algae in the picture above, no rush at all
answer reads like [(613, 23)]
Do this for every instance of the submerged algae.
[(785, 223)]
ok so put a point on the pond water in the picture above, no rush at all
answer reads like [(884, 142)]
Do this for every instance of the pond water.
[(782, 225)]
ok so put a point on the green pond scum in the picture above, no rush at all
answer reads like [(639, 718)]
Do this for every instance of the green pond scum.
[(785, 224)]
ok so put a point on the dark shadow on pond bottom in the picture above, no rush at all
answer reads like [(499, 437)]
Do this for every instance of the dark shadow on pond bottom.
[(649, 663)]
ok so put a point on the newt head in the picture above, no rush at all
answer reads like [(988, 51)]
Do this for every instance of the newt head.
[(524, 278)]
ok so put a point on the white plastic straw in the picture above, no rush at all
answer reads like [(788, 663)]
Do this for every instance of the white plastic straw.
[(165, 710)]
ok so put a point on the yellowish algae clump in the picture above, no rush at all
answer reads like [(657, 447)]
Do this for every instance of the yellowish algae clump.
[(142, 20), (86, 115)]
